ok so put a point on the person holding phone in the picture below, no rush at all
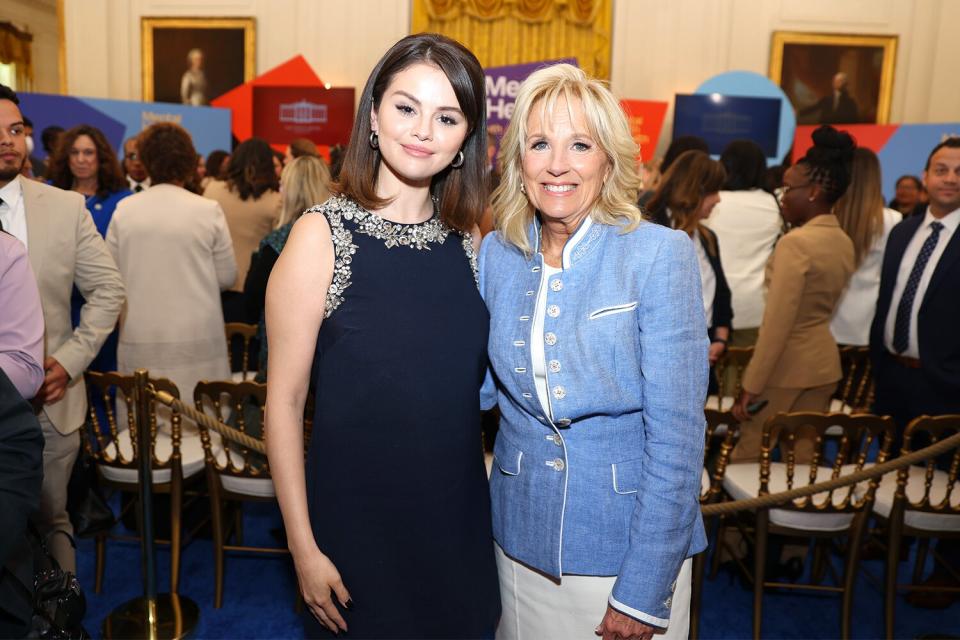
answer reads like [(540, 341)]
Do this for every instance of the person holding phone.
[(796, 363)]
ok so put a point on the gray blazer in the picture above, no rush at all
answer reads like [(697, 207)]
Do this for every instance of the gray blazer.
[(65, 249)]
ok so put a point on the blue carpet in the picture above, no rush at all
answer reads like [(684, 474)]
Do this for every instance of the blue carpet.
[(260, 592)]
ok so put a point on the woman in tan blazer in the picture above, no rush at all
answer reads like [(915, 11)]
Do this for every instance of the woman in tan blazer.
[(796, 364)]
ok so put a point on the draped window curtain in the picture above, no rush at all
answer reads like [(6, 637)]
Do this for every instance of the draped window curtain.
[(504, 32), (15, 49)]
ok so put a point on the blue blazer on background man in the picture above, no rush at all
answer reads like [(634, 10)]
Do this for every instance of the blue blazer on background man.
[(610, 486)]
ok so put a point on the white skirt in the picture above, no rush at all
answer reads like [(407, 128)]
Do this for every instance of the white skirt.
[(537, 606)]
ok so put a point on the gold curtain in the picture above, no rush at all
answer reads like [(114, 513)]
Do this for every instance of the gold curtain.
[(504, 32), (15, 49)]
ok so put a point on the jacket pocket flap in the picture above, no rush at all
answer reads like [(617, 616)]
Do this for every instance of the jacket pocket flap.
[(507, 456), (617, 308), (626, 476)]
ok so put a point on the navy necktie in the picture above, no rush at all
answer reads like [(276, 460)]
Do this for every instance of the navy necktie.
[(901, 328)]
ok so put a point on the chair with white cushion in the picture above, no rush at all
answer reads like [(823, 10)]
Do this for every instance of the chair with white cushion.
[(242, 345), (721, 437), (922, 501), (729, 370), (862, 439), (854, 392), (110, 438), (235, 474)]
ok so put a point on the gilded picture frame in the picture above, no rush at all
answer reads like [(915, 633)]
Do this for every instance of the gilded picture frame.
[(835, 78), (193, 60)]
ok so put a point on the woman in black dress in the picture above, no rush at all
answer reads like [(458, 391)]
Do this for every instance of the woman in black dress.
[(375, 296)]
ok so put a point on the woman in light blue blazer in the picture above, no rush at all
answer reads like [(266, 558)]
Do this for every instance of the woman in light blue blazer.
[(598, 355)]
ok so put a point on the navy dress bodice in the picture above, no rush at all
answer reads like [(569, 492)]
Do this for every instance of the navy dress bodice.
[(395, 477)]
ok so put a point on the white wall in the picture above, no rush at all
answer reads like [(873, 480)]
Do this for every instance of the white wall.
[(39, 18), (664, 48), (341, 40)]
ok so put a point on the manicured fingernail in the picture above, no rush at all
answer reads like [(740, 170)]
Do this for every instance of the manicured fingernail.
[(348, 605)]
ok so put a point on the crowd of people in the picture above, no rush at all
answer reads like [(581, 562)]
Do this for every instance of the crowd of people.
[(590, 314)]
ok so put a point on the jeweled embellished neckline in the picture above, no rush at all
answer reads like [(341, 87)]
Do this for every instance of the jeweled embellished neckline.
[(418, 235)]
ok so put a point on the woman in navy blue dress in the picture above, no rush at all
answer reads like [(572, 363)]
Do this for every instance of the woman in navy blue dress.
[(374, 297)]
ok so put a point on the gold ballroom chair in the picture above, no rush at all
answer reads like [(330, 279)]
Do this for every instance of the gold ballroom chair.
[(240, 337), (176, 454), (729, 369), (721, 437), (827, 515), (854, 392), (235, 474), (921, 501)]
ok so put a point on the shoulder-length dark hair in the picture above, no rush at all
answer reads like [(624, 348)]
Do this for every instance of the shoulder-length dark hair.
[(250, 171), (167, 152), (745, 164), (682, 189), (462, 191), (109, 175)]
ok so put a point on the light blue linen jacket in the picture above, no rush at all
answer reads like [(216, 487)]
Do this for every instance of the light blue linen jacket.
[(609, 486)]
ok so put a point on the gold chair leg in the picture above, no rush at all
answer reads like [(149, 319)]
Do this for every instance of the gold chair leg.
[(895, 524), (759, 568), (923, 546), (216, 522), (101, 561), (852, 565)]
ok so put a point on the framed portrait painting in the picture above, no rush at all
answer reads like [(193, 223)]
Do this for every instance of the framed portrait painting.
[(835, 78), (194, 60)]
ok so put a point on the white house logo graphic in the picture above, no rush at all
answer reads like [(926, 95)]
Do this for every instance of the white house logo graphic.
[(303, 112)]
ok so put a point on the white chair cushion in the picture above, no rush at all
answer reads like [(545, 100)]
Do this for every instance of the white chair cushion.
[(191, 456), (838, 406), (742, 481), (720, 403), (883, 502), (704, 482), (255, 487)]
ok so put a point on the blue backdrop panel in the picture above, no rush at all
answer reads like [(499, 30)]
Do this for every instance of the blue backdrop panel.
[(907, 149), (120, 119)]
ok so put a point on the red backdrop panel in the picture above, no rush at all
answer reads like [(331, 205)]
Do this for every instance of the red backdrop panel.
[(646, 121), (281, 114)]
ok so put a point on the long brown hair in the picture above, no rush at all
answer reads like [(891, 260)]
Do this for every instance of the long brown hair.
[(462, 191), (860, 210), (109, 175), (691, 177)]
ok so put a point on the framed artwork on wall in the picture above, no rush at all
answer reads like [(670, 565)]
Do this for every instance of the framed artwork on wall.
[(835, 78), (193, 60)]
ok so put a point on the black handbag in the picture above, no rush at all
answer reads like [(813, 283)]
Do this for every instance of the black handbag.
[(86, 505), (57, 600)]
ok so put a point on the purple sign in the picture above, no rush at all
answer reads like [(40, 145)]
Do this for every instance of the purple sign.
[(502, 84)]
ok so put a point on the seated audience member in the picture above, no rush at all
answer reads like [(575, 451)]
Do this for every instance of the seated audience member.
[(251, 203), (914, 341), (174, 252), (868, 223), (21, 323), (65, 250), (214, 167), (305, 183), (747, 223), (137, 178), (49, 140), (907, 195), (85, 163), (687, 194), (796, 363), (678, 146), (298, 148)]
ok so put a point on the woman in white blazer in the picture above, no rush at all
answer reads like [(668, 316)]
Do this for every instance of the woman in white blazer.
[(868, 223), (174, 252)]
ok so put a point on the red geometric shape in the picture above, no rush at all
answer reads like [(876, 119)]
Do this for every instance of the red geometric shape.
[(871, 136)]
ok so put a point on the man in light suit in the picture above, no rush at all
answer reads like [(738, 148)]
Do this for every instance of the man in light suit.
[(65, 250), (914, 340)]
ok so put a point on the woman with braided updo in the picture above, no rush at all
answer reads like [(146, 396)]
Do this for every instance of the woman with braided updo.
[(796, 363)]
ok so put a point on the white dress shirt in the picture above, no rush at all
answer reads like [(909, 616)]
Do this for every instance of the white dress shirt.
[(13, 216), (858, 304), (537, 353), (950, 223), (747, 224), (134, 184), (708, 279)]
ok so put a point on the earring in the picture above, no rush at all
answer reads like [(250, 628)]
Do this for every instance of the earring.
[(457, 160), (523, 189), (374, 140)]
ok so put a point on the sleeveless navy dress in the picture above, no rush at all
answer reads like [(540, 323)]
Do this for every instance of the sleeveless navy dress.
[(396, 484)]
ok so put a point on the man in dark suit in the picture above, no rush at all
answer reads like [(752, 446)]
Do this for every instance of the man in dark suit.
[(836, 108), (914, 343)]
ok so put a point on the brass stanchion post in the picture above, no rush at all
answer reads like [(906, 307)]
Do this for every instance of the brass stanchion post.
[(166, 616)]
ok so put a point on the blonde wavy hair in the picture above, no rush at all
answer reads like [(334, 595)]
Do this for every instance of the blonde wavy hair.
[(305, 182), (606, 124)]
